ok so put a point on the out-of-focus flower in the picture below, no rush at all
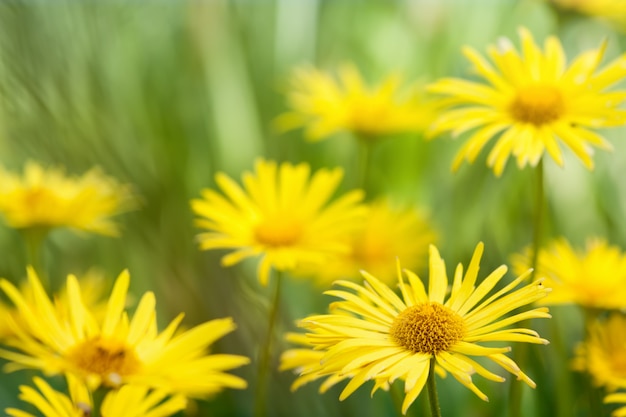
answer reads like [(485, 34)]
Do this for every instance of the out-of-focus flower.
[(116, 349), (388, 233), (531, 102), (282, 215), (47, 198), (593, 278), (603, 353), (374, 334), (128, 401), (612, 11), (618, 398), (325, 105)]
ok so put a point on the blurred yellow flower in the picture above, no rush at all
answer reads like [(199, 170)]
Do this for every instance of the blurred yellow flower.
[(390, 232), (618, 398), (117, 350), (603, 353), (531, 101), (47, 198), (325, 105), (612, 11), (374, 334), (282, 215), (128, 401), (593, 278)]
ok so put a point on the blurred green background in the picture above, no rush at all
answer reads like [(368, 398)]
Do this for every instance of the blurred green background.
[(163, 94)]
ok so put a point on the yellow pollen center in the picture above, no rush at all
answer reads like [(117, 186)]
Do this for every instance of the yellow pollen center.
[(109, 359), (538, 104), (427, 328), (278, 231)]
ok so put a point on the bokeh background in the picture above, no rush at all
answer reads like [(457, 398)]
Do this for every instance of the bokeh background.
[(163, 94)]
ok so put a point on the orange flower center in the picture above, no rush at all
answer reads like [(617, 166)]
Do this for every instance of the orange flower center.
[(427, 328), (278, 231), (538, 104), (109, 359)]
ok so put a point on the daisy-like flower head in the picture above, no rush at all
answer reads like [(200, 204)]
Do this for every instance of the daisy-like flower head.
[(592, 278), (372, 333), (47, 198), (603, 354), (326, 105), (531, 102), (283, 214), (617, 398), (116, 350), (128, 401), (390, 232), (93, 288)]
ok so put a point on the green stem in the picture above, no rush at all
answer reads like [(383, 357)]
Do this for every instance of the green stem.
[(593, 392), (365, 150), (521, 353), (435, 410), (260, 409), (33, 239)]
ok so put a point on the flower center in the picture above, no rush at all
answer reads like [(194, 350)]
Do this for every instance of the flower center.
[(427, 328), (278, 231), (108, 358), (538, 104)]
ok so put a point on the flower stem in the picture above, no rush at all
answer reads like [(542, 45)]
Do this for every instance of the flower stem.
[(33, 239), (435, 410), (515, 392), (365, 150), (593, 392), (260, 409)]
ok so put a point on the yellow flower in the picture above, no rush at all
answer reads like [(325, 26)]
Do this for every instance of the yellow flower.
[(47, 198), (613, 11), (374, 334), (116, 349), (531, 101), (593, 278), (389, 233), (619, 398), (603, 354), (325, 105), (93, 287), (283, 215), (128, 401)]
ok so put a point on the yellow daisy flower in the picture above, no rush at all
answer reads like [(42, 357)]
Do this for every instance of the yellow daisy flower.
[(47, 198), (603, 354), (283, 214), (116, 349), (128, 401), (593, 278), (326, 105), (374, 334), (618, 398), (532, 100), (390, 232), (93, 288)]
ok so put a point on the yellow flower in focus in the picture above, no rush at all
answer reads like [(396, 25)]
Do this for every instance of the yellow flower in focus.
[(389, 233), (47, 198), (116, 349), (326, 105), (531, 102), (592, 278), (619, 398), (374, 334), (282, 214), (603, 354), (612, 11), (128, 401), (93, 288)]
